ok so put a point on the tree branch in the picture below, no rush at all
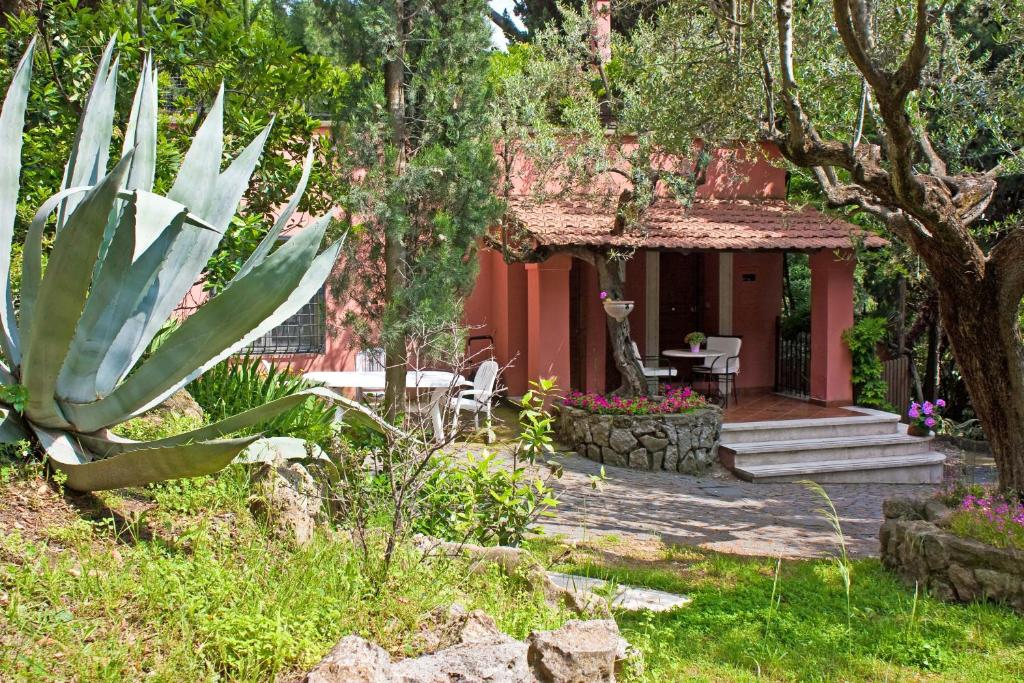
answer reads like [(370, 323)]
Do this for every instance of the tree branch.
[(508, 26)]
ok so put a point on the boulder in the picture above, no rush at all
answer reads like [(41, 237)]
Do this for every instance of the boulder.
[(353, 660), (287, 499), (579, 652), (446, 627), (472, 663)]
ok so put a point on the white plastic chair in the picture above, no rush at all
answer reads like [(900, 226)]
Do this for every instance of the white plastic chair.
[(479, 397), (370, 360), (724, 367), (653, 374)]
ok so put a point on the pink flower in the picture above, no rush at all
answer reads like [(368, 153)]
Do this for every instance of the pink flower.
[(940, 403), (604, 295), (914, 412), (930, 422)]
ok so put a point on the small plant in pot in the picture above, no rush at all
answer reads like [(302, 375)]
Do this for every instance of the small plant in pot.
[(924, 417), (695, 339)]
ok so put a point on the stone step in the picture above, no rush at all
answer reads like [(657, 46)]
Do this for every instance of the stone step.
[(866, 423), (816, 450), (917, 468)]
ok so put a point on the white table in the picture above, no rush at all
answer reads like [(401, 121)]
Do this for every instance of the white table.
[(439, 382), (703, 355)]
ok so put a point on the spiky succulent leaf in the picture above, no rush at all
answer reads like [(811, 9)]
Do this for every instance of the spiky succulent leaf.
[(269, 240), (12, 123), (207, 336), (141, 132), (91, 148), (123, 279), (62, 297), (12, 427), (136, 468)]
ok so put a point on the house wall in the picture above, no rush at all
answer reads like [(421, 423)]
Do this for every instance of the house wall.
[(755, 306)]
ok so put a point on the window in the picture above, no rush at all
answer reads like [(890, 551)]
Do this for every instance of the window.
[(304, 332)]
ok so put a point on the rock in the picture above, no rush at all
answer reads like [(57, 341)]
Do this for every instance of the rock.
[(671, 458), (609, 456), (653, 443), (353, 660), (622, 441), (446, 627), (639, 459), (967, 587), (903, 507), (474, 663), (179, 403), (579, 652), (936, 513), (287, 499), (600, 429)]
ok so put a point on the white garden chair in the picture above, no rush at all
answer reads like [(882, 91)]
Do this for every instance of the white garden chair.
[(652, 373), (723, 368), (478, 399), (370, 360)]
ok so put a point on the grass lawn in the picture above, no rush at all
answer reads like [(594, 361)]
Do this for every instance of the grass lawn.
[(731, 631), (178, 583)]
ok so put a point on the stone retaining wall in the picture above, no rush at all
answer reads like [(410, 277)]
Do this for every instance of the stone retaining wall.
[(684, 442), (920, 550)]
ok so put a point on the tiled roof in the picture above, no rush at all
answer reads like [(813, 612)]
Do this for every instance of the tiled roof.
[(708, 224)]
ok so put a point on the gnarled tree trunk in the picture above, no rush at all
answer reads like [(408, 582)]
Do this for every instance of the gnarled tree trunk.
[(611, 279)]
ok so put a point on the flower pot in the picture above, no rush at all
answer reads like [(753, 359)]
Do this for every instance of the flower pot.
[(918, 430), (618, 309), (694, 348)]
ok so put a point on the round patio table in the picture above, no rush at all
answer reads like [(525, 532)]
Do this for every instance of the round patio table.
[(439, 382), (702, 355)]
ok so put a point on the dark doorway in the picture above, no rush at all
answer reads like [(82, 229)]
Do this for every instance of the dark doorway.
[(679, 297), (577, 328)]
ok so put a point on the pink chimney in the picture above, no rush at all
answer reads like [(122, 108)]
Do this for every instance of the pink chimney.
[(602, 13)]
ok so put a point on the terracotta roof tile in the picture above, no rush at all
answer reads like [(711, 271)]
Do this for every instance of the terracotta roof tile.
[(715, 225)]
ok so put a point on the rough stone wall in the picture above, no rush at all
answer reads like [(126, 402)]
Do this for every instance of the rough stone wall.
[(916, 545), (686, 442)]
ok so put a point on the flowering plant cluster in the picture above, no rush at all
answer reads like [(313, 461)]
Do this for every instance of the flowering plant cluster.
[(926, 415), (991, 518), (676, 400)]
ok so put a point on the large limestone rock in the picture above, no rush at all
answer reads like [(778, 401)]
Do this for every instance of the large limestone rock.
[(353, 660), (579, 652), (287, 499), (471, 663)]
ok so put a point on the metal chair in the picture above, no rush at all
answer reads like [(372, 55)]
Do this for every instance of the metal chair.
[(479, 397), (722, 370)]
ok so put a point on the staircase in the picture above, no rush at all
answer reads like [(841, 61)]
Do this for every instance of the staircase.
[(871, 447)]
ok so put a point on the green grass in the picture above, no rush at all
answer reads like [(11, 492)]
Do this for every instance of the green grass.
[(209, 596), (731, 631)]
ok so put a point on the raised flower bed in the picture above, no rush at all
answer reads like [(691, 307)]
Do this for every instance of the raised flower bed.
[(965, 545), (678, 432)]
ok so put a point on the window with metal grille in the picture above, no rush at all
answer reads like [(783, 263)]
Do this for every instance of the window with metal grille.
[(304, 332)]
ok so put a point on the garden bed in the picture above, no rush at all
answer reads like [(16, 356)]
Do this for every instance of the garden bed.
[(919, 543), (683, 439)]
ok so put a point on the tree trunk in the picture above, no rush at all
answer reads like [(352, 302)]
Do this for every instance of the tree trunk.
[(611, 279), (396, 338), (985, 338)]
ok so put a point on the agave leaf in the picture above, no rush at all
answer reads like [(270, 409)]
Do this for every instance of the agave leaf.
[(91, 148), (12, 428), (32, 255), (62, 297), (211, 333), (266, 245), (352, 414), (12, 123), (123, 279), (201, 167), (186, 260), (137, 468), (141, 132), (274, 448)]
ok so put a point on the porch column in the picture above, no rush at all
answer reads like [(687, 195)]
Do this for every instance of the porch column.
[(547, 319), (831, 314)]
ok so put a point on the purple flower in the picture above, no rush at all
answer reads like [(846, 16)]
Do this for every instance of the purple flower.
[(928, 408), (914, 412), (940, 403), (930, 422), (604, 295)]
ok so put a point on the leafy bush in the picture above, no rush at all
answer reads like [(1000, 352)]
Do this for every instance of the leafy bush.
[(238, 384), (676, 400), (862, 339)]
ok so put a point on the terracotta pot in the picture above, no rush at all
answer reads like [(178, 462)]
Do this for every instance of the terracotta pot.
[(918, 430), (618, 308)]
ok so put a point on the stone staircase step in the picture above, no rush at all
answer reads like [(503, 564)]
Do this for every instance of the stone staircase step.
[(917, 468), (815, 450), (866, 423)]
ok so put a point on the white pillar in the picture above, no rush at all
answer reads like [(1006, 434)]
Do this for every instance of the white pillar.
[(725, 293)]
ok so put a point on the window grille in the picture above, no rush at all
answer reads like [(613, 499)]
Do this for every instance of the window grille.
[(304, 332)]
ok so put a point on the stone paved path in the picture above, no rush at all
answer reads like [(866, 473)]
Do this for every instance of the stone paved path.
[(720, 512)]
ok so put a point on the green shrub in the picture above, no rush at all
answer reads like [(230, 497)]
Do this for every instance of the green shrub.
[(862, 339), (239, 384)]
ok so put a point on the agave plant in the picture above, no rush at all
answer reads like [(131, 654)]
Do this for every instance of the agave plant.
[(121, 261)]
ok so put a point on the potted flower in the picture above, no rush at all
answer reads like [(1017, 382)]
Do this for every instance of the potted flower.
[(695, 339), (616, 308), (924, 417)]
